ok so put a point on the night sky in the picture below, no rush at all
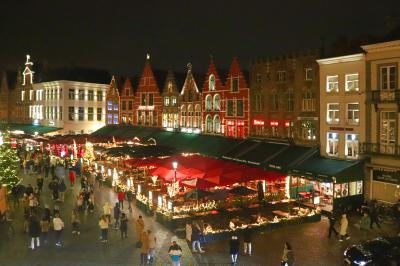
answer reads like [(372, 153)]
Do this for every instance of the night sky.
[(116, 35)]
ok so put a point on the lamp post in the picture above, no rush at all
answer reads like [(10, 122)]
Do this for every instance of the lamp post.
[(175, 166)]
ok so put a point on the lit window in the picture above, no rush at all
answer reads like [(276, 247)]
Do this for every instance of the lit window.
[(143, 99), (332, 83), (217, 102), (81, 112), (81, 95), (115, 119), (173, 101), (109, 105), (332, 145), (352, 82), (353, 113), (308, 130), (99, 115), (109, 119), (217, 124), (166, 101), (208, 103), (388, 132), (208, 123), (388, 77), (90, 95), (71, 113), (351, 150), (332, 113), (211, 83), (99, 96), (90, 113)]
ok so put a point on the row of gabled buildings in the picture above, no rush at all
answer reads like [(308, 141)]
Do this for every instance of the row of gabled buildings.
[(212, 105)]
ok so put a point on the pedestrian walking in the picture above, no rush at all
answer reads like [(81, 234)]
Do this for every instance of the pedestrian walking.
[(45, 227), (234, 245), (58, 226), (71, 176), (287, 256), (129, 198), (124, 226), (117, 214), (76, 221), (344, 223), (39, 183), (175, 253), (139, 226), (107, 211), (332, 222), (374, 218), (365, 222), (47, 213), (62, 188), (121, 198), (152, 246), (247, 242), (34, 232), (196, 234), (144, 250)]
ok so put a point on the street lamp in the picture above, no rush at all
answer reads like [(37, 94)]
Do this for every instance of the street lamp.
[(175, 165)]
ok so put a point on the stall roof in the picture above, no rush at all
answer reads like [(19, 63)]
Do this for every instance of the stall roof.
[(326, 169), (29, 129)]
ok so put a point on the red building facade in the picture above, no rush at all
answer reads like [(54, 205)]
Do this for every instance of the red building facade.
[(127, 99), (148, 104), (236, 103)]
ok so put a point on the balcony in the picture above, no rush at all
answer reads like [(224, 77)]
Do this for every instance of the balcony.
[(385, 96), (380, 149)]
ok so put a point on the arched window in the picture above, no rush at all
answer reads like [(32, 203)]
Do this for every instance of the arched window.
[(208, 103), (208, 124), (197, 111), (217, 124), (189, 119), (217, 102), (183, 115), (211, 82)]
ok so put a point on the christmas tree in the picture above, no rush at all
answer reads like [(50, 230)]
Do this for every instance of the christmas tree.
[(88, 155), (9, 162)]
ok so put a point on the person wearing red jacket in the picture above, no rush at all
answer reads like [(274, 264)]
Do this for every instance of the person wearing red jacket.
[(121, 198), (71, 176)]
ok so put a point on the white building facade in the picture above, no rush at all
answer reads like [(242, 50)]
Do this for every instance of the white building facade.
[(342, 106), (74, 107)]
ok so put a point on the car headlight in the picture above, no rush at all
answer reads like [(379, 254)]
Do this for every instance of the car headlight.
[(362, 262)]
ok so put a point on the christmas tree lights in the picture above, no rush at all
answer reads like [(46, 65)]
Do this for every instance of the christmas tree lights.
[(9, 162)]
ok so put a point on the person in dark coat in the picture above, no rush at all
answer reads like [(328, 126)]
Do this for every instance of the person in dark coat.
[(34, 232), (129, 198), (332, 222), (46, 213), (117, 214), (234, 245), (196, 235), (124, 226)]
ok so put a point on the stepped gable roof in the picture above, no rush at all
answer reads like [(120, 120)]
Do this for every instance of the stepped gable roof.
[(113, 87), (148, 81), (190, 80), (212, 69), (127, 83), (236, 70), (80, 74), (170, 78)]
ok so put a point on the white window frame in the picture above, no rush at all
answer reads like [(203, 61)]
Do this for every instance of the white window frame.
[(388, 81), (332, 86), (349, 82), (352, 141), (354, 113), (330, 139), (332, 115)]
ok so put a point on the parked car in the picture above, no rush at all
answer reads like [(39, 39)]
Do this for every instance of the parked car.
[(383, 251)]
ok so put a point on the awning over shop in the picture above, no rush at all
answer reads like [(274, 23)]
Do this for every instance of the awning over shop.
[(28, 129), (261, 152), (329, 170), (289, 157)]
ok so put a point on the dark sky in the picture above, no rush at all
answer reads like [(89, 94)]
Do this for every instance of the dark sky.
[(115, 35)]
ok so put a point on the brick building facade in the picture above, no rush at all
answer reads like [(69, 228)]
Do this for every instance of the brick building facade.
[(127, 99), (170, 103), (112, 103), (285, 98)]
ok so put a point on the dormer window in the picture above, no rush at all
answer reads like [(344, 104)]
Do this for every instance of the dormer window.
[(211, 83)]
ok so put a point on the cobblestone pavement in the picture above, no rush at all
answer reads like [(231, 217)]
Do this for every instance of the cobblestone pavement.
[(309, 241), (86, 249)]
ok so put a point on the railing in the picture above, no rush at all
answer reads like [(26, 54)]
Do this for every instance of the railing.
[(385, 95), (381, 149)]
